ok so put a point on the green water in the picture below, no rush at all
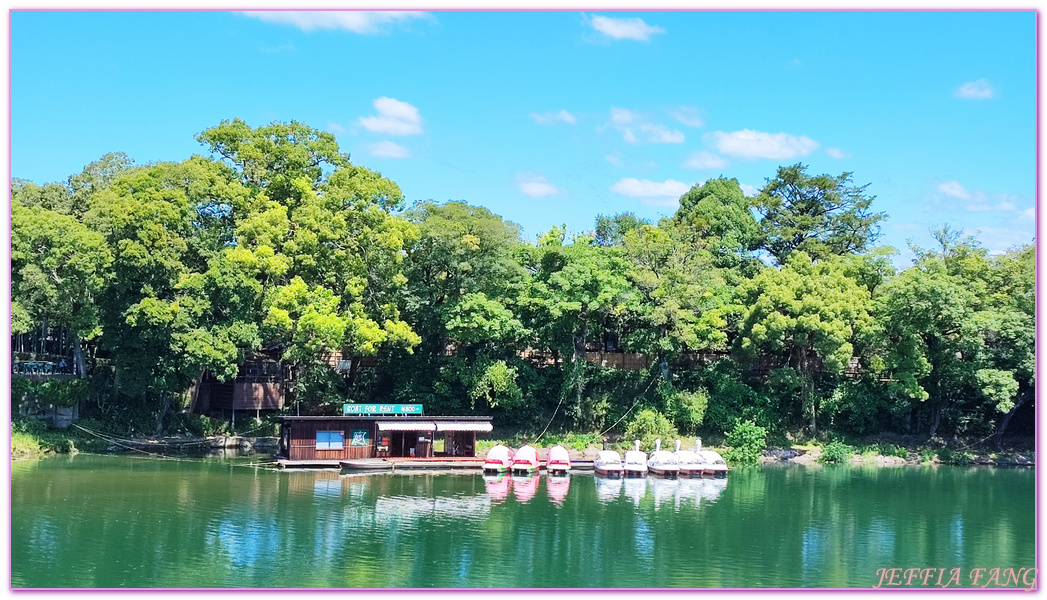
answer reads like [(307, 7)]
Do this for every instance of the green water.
[(94, 521)]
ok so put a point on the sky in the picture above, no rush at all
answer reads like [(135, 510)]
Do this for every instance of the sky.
[(554, 117)]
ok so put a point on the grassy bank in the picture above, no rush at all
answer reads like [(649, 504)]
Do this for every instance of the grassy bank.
[(33, 438)]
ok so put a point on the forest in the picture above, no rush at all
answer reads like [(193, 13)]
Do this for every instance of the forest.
[(778, 309)]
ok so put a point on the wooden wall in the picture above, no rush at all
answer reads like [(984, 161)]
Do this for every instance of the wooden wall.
[(257, 396), (302, 442)]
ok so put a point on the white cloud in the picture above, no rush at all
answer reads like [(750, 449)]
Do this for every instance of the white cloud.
[(757, 144), (536, 186), (394, 118), (1029, 214), (748, 190), (548, 118), (688, 115), (836, 153), (615, 159), (387, 149), (335, 128), (976, 90), (705, 160), (655, 133), (978, 200), (953, 189), (624, 29), (622, 116), (660, 134), (349, 20), (644, 188)]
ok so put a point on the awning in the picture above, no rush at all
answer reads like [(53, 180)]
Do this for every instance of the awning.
[(462, 426), (406, 426)]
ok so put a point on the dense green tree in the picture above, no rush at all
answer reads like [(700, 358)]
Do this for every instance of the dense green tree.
[(806, 317), (958, 333), (819, 215), (610, 231), (717, 217), (681, 296), (574, 289), (58, 269)]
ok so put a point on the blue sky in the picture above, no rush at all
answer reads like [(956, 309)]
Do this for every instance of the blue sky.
[(554, 117)]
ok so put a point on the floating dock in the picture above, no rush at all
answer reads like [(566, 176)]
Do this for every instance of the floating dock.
[(404, 464)]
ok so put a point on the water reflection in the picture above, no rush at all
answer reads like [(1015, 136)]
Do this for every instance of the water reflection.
[(608, 489), (636, 489), (210, 525), (665, 489), (524, 488), (497, 487), (557, 487)]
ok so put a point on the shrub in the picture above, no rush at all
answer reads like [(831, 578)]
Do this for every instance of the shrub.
[(647, 426), (686, 408), (746, 442), (836, 452), (893, 450)]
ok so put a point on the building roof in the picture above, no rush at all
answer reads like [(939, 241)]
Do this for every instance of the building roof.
[(424, 418)]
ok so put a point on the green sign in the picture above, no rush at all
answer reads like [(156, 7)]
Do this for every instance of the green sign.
[(382, 409), (359, 438)]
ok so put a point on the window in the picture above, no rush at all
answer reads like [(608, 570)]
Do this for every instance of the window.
[(329, 440)]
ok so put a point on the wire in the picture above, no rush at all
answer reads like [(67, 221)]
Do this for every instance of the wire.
[(655, 378)]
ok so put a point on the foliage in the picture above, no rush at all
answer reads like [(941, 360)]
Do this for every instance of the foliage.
[(746, 441), (278, 243), (647, 426), (806, 316), (576, 441), (820, 215), (836, 452)]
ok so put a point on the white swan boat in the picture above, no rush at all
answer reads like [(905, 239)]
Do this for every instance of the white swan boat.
[(608, 463), (714, 463), (635, 462), (663, 462), (691, 463)]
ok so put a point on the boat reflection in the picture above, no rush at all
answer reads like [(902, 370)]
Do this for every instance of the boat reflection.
[(497, 487), (664, 489), (636, 489), (712, 488), (524, 488), (557, 487), (608, 489)]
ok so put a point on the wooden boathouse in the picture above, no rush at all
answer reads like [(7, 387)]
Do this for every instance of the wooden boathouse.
[(377, 431)]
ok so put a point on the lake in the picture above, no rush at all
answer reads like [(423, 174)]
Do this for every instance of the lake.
[(91, 521)]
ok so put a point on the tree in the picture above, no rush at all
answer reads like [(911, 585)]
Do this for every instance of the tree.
[(806, 316), (717, 217), (161, 327), (610, 231), (821, 215), (574, 288), (958, 333), (58, 268), (681, 295)]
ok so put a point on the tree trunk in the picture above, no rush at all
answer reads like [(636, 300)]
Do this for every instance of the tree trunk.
[(163, 412), (1001, 427), (936, 420), (78, 356)]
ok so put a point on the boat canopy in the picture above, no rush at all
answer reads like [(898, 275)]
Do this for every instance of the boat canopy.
[(462, 426), (559, 454), (406, 426)]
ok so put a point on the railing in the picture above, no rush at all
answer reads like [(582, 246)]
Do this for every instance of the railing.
[(39, 367)]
